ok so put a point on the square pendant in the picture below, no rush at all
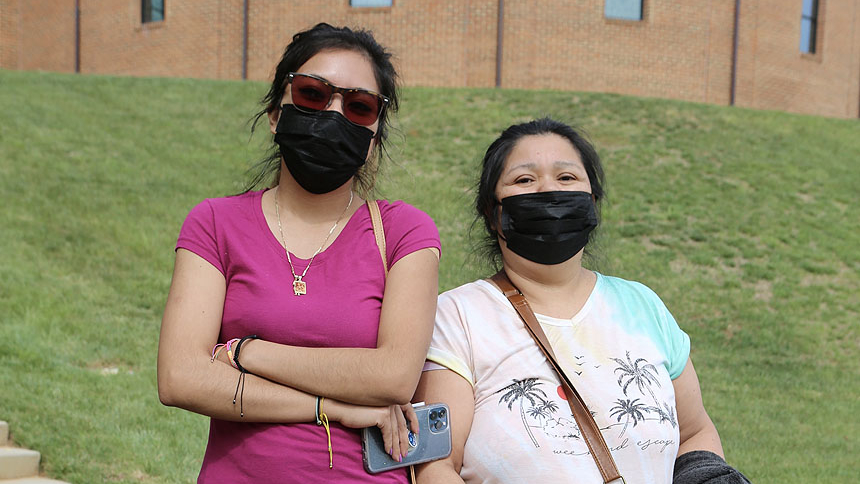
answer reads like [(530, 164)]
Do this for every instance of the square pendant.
[(300, 288)]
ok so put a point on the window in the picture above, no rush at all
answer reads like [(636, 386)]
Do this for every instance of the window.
[(623, 9), (808, 26), (152, 10), (370, 3)]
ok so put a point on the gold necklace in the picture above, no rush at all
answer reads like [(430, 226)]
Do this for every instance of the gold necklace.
[(300, 287)]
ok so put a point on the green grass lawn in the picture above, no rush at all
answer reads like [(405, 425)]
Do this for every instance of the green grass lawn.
[(745, 222)]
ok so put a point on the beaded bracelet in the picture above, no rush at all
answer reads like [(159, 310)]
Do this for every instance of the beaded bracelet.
[(322, 419)]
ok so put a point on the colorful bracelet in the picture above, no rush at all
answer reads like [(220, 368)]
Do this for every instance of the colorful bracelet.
[(230, 357), (216, 350)]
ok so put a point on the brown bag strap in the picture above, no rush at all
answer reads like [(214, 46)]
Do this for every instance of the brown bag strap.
[(590, 431), (378, 231)]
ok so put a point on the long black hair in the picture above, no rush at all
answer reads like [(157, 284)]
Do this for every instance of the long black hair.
[(494, 162), (305, 45)]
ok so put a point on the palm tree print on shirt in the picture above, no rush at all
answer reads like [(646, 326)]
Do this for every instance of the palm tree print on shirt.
[(540, 409), (521, 390), (537, 410), (630, 409), (643, 374), (544, 410)]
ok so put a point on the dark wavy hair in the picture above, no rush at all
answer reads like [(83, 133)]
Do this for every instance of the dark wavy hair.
[(305, 45), (494, 162)]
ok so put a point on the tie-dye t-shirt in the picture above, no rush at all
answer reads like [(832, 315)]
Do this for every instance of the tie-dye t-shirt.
[(621, 350)]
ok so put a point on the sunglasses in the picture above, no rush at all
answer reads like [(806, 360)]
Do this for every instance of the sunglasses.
[(311, 94)]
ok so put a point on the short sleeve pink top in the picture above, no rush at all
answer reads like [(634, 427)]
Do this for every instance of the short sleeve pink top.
[(345, 285)]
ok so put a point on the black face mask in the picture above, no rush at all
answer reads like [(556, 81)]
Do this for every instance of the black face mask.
[(322, 150), (548, 227)]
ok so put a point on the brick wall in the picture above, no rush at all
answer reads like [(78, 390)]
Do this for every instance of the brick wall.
[(200, 38), (680, 50), (9, 35), (774, 74), (37, 35), (436, 43), (673, 52)]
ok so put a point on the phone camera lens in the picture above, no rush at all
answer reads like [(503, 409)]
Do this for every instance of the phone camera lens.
[(434, 415), (438, 425), (441, 413)]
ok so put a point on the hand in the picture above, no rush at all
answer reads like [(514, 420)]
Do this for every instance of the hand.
[(406, 419), (391, 420)]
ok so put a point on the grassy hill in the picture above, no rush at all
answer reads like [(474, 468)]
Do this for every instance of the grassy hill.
[(745, 222)]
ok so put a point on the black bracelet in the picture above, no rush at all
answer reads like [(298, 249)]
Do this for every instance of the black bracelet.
[(239, 347), (242, 372)]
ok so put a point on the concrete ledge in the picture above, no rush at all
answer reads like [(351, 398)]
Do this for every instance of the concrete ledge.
[(15, 463)]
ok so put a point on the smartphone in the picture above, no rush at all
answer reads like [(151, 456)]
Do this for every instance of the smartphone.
[(432, 442)]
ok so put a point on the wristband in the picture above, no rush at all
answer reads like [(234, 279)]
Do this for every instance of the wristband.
[(235, 357)]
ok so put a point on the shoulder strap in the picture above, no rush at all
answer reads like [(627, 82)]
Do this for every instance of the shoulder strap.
[(590, 431), (378, 231)]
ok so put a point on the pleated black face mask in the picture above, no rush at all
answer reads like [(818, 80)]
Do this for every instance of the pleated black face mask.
[(548, 227), (322, 150)]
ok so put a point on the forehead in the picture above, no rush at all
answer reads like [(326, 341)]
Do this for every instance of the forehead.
[(344, 68), (543, 149)]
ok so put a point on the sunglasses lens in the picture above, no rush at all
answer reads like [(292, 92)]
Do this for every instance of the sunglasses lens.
[(309, 93), (361, 107)]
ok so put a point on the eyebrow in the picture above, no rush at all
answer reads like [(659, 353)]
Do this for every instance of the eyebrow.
[(556, 164)]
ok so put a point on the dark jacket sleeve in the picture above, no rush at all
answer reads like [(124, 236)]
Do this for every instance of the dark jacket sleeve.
[(703, 467)]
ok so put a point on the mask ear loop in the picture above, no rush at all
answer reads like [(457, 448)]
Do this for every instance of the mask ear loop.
[(498, 223)]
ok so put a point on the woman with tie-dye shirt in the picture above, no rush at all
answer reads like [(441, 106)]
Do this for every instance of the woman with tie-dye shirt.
[(539, 198)]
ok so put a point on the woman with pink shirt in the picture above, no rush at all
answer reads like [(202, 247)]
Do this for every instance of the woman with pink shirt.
[(284, 323)]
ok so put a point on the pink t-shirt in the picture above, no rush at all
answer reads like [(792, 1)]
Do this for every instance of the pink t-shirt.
[(345, 285)]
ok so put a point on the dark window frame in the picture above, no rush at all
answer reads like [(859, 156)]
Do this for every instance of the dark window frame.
[(809, 45), (147, 9)]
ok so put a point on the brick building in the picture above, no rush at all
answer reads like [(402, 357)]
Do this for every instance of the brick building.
[(792, 55)]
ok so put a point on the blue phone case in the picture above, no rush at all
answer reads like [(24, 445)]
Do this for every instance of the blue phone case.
[(432, 442)]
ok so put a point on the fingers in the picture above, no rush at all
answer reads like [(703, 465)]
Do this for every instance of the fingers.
[(390, 436), (401, 430), (411, 417)]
